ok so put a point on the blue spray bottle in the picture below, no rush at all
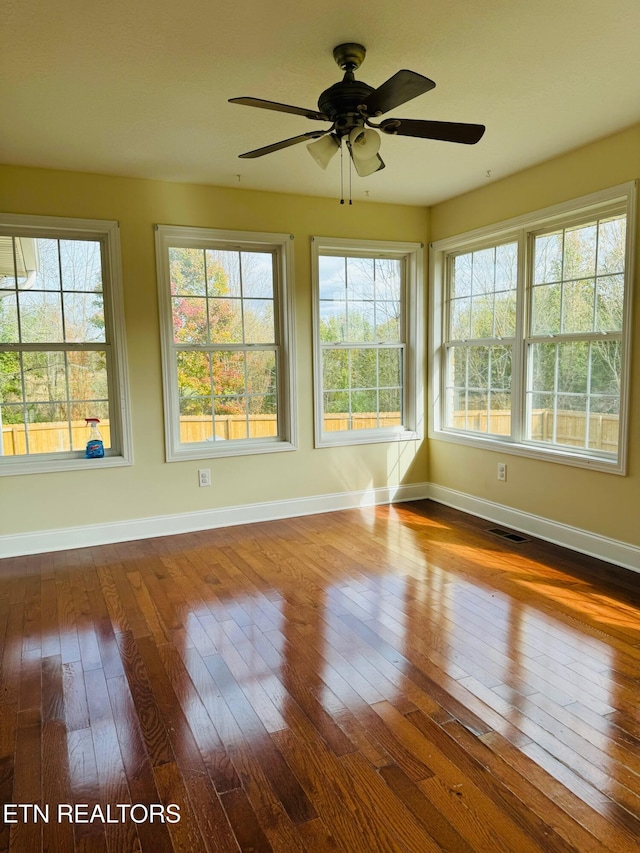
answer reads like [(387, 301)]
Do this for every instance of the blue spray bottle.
[(95, 446)]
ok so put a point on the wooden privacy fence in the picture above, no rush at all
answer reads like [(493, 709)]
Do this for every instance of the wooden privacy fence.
[(571, 427), (49, 437)]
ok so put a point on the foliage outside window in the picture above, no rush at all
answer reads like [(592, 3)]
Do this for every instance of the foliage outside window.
[(226, 341), (365, 340), (61, 343), (535, 332)]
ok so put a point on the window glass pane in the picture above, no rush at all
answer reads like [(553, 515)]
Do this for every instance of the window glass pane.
[(40, 317), (389, 368), (460, 319), (360, 321), (500, 375), (609, 303), (225, 321), (606, 367), (579, 252), (8, 317), (360, 278), (388, 276), (228, 373), (196, 421), (390, 407), (611, 245), (81, 265), (224, 275), (7, 263), (87, 375), (363, 368), (186, 271), (261, 372), (571, 420), (232, 412), (333, 322), (335, 369), (48, 428), (500, 413), (548, 258), (506, 267), (578, 306), (543, 375), (546, 309), (46, 275), (505, 314), (331, 274), (258, 321), (257, 275), (13, 432), (482, 308), (387, 321), (542, 417), (10, 377), (478, 367), (573, 366), (44, 376), (483, 273), (461, 267), (263, 421), (83, 317), (364, 409), (336, 410), (194, 374), (189, 319)]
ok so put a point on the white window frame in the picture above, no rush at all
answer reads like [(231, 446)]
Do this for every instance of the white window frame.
[(107, 233), (413, 323), (282, 246), (522, 229)]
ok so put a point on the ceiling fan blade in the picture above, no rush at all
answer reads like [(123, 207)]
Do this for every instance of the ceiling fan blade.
[(281, 108), (285, 143), (402, 87), (447, 131)]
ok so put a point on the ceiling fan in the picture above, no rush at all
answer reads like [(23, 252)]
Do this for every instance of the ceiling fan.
[(351, 104)]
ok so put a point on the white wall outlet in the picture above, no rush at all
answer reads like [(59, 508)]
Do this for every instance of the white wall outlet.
[(204, 477), (502, 471)]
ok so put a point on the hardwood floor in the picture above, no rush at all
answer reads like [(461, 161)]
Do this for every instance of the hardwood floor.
[(391, 679)]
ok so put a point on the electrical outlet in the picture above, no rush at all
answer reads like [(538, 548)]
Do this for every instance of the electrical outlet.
[(204, 477), (502, 471)]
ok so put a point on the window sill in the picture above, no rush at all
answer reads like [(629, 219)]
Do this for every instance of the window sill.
[(532, 451), (33, 465), (221, 449), (343, 438)]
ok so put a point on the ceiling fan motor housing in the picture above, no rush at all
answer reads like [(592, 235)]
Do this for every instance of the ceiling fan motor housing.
[(340, 103)]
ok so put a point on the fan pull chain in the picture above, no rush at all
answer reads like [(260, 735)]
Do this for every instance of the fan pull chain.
[(350, 173), (341, 175)]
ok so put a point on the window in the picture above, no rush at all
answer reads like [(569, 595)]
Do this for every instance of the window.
[(226, 312), (532, 329), (62, 349), (367, 333)]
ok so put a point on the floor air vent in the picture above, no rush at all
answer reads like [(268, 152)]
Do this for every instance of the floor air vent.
[(506, 534)]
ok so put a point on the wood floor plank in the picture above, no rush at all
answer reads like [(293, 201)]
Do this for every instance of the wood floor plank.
[(394, 678)]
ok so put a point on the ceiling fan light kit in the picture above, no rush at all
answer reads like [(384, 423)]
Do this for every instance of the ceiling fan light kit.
[(350, 105), (323, 149)]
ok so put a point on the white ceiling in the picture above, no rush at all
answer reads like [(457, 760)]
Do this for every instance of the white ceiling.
[(140, 89)]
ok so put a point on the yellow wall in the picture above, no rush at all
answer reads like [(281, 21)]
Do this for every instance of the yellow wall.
[(605, 504), (151, 487)]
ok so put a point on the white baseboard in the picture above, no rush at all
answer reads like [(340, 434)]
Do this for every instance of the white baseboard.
[(42, 541), (610, 550)]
